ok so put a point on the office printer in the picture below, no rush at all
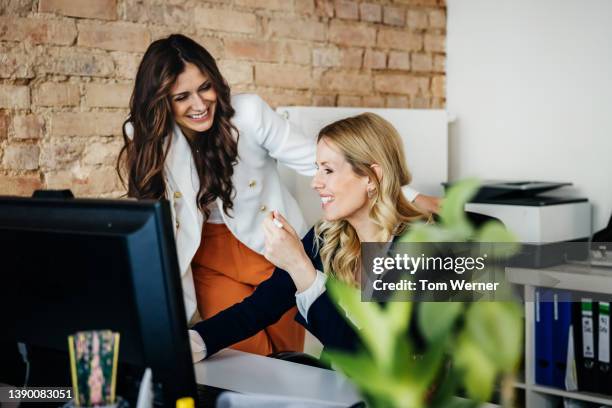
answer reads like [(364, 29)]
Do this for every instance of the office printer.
[(540, 222)]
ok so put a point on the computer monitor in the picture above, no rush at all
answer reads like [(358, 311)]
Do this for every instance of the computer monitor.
[(69, 265)]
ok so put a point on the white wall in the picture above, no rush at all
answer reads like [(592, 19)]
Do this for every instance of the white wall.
[(530, 82)]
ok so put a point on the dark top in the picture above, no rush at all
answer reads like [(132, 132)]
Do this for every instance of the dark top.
[(272, 298)]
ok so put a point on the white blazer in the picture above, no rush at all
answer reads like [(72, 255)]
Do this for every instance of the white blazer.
[(264, 138)]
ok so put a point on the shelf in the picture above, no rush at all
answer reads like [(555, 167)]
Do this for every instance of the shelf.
[(573, 277), (579, 278), (582, 396), (520, 385)]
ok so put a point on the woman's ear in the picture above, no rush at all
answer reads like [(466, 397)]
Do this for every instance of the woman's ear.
[(377, 171), (371, 183)]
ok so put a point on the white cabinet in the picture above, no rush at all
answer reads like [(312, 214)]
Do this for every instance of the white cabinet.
[(570, 277)]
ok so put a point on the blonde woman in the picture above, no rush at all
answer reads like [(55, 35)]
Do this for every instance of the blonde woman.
[(360, 170)]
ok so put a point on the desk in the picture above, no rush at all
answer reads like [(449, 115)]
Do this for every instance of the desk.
[(251, 373)]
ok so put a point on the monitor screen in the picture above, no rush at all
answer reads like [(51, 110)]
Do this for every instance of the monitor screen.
[(70, 265)]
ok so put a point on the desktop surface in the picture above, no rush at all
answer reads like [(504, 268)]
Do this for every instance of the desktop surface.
[(250, 373)]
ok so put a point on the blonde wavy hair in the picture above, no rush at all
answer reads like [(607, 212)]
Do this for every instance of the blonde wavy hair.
[(365, 140)]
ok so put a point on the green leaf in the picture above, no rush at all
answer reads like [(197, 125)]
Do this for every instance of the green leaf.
[(497, 328), (420, 232), (426, 367), (368, 376), (436, 319), (446, 388), (398, 316), (368, 318), (479, 371), (452, 209), (495, 231)]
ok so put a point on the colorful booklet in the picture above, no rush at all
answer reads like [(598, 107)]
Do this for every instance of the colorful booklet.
[(93, 365)]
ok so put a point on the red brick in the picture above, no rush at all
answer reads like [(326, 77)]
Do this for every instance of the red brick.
[(296, 53), (429, 3), (297, 29), (347, 10), (28, 127), (17, 60), (439, 63), (326, 57), (397, 84), (422, 62), (420, 102), (258, 50), (352, 57), (399, 60), (438, 86), (76, 61), (101, 153), (304, 6), (352, 34), (4, 121), (213, 45), (435, 43), (21, 157), (394, 16), (286, 98), (370, 12), (324, 100), (19, 185), (16, 7), (57, 180), (374, 59), (283, 76), (14, 97), (324, 8), (87, 124), (417, 19), (108, 95), (37, 30), (126, 64), (398, 102), (399, 39), (225, 20), (350, 101), (176, 16), (98, 9), (114, 36), (279, 5), (347, 81), (61, 155), (374, 101), (438, 103), (57, 94), (85, 181), (236, 72), (437, 19)]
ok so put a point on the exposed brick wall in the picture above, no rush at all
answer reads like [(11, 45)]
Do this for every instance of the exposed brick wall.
[(67, 66)]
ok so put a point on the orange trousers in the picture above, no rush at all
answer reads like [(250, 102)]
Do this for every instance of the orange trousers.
[(225, 271)]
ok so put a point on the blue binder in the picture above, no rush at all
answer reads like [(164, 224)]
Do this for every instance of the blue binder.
[(543, 336), (562, 320)]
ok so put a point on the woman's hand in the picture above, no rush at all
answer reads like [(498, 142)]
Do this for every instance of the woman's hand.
[(430, 204), (283, 247)]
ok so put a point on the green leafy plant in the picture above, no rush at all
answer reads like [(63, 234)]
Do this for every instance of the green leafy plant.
[(468, 346)]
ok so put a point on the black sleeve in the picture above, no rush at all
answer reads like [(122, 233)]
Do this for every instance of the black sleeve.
[(329, 325), (272, 298)]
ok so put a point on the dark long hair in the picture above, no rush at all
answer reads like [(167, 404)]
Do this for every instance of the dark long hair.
[(143, 156)]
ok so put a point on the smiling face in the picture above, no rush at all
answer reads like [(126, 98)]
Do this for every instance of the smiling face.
[(343, 192), (193, 99)]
